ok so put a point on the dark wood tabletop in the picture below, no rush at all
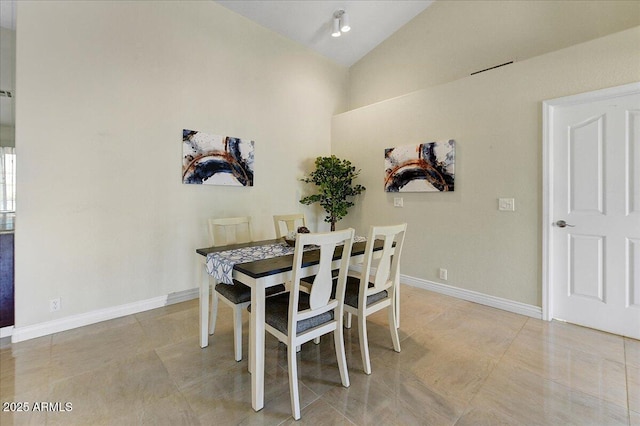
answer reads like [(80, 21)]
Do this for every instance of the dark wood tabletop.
[(275, 265)]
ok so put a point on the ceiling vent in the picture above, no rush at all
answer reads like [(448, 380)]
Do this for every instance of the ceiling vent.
[(6, 94)]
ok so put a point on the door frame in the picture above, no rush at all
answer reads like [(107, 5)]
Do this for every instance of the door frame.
[(548, 107)]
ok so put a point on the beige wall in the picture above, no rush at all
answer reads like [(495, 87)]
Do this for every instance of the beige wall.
[(495, 118), (106, 88), (452, 39)]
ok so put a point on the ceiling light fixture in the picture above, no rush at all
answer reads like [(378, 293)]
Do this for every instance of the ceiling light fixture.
[(340, 23), (336, 28), (344, 22)]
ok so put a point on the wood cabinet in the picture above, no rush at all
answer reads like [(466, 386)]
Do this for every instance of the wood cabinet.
[(6, 279)]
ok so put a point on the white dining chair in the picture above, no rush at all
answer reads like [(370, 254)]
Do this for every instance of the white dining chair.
[(295, 317), (225, 231), (364, 296), (285, 223)]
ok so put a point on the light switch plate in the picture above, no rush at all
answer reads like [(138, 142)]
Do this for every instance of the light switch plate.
[(398, 202), (507, 204), (443, 273)]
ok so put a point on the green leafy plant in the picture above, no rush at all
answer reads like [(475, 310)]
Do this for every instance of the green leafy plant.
[(334, 178)]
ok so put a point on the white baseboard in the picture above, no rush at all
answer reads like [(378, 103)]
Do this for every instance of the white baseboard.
[(474, 296), (19, 334), (183, 296), (469, 295), (6, 331)]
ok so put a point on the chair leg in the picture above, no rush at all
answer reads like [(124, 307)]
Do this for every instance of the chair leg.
[(237, 332), (393, 327), (252, 333), (347, 323), (396, 296), (338, 338), (214, 312), (293, 382), (364, 343)]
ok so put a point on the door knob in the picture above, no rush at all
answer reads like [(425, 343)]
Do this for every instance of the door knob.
[(563, 224)]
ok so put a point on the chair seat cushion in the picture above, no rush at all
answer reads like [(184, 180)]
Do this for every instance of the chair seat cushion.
[(353, 289), (276, 313), (241, 293)]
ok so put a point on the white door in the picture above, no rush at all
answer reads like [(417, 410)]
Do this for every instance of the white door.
[(593, 216)]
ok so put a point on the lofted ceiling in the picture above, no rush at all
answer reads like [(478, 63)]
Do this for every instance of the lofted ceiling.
[(309, 22)]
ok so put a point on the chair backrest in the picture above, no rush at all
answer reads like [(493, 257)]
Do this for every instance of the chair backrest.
[(286, 223), (230, 230), (387, 272), (320, 299)]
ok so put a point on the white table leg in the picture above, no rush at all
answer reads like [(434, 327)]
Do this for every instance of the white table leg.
[(257, 346), (397, 307), (252, 333), (204, 303)]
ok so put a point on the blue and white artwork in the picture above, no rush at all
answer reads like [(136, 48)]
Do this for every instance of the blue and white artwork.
[(216, 160), (428, 167)]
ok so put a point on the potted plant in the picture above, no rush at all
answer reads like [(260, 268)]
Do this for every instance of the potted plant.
[(334, 179)]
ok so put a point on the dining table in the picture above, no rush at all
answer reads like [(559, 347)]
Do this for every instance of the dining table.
[(259, 275)]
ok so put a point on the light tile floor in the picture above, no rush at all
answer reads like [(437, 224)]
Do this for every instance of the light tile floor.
[(461, 364)]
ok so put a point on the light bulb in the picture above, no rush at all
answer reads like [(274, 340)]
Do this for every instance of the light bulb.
[(336, 28), (344, 23)]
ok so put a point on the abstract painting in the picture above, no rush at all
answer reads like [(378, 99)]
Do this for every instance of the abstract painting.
[(428, 167), (216, 160)]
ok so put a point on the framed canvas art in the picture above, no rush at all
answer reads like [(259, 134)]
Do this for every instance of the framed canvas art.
[(216, 160), (428, 167)]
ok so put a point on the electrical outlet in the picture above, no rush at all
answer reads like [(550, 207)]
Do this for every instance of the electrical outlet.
[(507, 204), (398, 202), (54, 305), (443, 274)]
